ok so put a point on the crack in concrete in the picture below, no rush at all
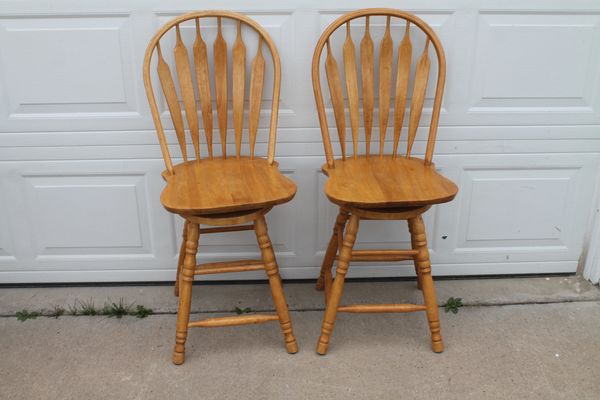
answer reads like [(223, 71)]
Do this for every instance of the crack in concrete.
[(321, 309)]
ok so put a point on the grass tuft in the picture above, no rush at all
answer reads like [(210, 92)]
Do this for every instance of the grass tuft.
[(87, 308), (56, 311), (117, 310), (24, 315), (73, 308), (142, 312)]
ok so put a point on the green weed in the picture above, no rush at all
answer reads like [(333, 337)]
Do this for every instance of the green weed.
[(142, 312), (453, 304), (24, 315)]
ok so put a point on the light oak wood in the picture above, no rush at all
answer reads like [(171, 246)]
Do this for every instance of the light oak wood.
[(391, 253), (203, 82), (237, 185), (402, 78), (367, 72), (268, 257), (352, 88), (386, 51), (367, 55), (418, 97), (337, 288), (185, 292), (382, 255), (417, 231), (325, 279), (413, 244), (239, 83), (257, 80), (203, 79), (220, 55), (228, 267), (186, 86), (227, 229), (387, 187), (180, 258), (386, 182), (168, 87), (389, 213), (381, 308), (220, 192), (223, 220), (233, 321), (337, 97)]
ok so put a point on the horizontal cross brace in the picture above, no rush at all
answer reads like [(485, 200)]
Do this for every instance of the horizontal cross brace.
[(229, 266), (234, 320), (227, 229), (382, 308), (383, 255)]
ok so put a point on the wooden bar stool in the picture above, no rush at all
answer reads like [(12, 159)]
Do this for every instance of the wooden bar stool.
[(379, 186), (219, 191)]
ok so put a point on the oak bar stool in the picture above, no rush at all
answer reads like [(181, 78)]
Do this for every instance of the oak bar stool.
[(227, 190), (378, 186)]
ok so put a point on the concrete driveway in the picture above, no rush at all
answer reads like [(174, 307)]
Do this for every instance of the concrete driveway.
[(515, 339)]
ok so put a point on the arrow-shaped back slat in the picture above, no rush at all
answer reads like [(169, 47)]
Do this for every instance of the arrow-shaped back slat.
[(186, 87), (257, 79), (203, 81), (367, 56), (386, 52), (238, 83), (418, 97), (337, 97), (168, 87), (220, 56), (352, 88), (402, 78)]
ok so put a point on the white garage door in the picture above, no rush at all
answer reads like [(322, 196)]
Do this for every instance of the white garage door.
[(80, 165)]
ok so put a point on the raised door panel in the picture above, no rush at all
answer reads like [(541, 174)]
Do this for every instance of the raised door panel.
[(67, 73)]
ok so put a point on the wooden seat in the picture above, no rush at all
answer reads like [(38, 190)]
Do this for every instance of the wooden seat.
[(244, 184), (386, 182), (376, 185), (219, 190)]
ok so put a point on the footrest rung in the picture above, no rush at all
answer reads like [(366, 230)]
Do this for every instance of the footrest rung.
[(221, 229), (383, 255), (234, 320), (382, 308), (229, 266)]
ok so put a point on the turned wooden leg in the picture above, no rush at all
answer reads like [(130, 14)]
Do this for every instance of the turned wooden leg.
[(417, 271), (325, 279), (181, 258), (338, 284), (417, 230), (268, 257), (185, 292)]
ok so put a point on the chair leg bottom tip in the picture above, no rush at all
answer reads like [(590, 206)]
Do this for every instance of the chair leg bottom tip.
[(437, 347), (322, 348), (178, 358), (292, 347)]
